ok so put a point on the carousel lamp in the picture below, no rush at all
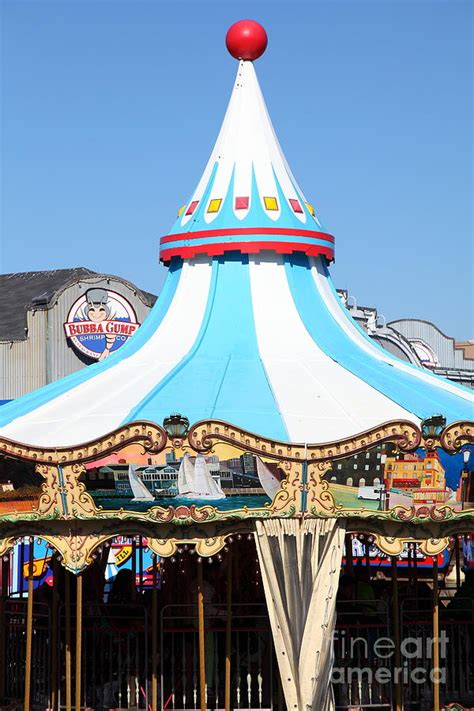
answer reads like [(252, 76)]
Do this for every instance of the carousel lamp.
[(433, 426), (466, 455), (176, 426)]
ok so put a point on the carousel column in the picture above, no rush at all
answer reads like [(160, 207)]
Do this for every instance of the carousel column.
[(3, 599), (78, 641), (436, 670), (202, 644), (457, 553), (29, 628), (228, 634), (396, 636), (54, 635), (154, 635), (67, 602), (300, 563)]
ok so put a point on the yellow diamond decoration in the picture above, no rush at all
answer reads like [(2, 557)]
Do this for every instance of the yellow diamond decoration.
[(271, 203), (181, 210), (310, 208), (214, 205)]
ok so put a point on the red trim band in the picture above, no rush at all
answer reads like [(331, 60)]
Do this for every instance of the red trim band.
[(247, 231), (216, 250)]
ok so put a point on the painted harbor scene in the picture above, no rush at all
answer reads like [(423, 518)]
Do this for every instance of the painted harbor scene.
[(233, 483)]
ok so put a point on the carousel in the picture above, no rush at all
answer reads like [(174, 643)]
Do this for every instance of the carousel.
[(250, 505)]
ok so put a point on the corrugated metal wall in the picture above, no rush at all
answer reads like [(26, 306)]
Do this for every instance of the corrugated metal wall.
[(45, 355), (443, 346)]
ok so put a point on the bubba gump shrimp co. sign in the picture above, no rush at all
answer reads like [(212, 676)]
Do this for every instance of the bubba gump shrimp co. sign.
[(100, 322)]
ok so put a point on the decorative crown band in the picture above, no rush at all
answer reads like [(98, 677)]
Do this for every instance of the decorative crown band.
[(248, 240)]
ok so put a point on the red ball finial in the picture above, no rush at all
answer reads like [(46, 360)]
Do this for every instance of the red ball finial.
[(246, 39)]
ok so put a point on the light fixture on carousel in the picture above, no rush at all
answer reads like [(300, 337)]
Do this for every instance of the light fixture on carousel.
[(176, 426), (431, 429)]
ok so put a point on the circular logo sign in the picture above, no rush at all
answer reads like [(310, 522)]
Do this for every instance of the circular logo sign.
[(100, 322), (426, 354)]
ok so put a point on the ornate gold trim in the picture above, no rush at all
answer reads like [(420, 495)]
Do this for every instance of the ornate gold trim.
[(204, 435), (6, 544), (152, 437), (76, 551), (319, 498), (50, 503), (205, 547), (393, 545), (457, 434), (302, 493)]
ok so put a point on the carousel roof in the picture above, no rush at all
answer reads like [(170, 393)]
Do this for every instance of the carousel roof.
[(247, 197), (248, 327)]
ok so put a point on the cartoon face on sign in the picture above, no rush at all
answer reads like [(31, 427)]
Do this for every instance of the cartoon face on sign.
[(100, 322)]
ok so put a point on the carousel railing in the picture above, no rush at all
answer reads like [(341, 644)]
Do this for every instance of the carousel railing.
[(251, 657), (115, 670), (357, 663), (114, 667), (14, 642), (456, 644), (115, 658)]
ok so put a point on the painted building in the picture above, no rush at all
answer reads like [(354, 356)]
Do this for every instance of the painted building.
[(423, 478), (365, 469)]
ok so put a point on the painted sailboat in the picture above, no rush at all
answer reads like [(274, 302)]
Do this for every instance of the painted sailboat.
[(139, 490), (196, 482), (268, 480)]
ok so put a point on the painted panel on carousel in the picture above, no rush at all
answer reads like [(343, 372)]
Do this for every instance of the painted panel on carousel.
[(213, 470), (383, 479), (20, 487), (137, 481)]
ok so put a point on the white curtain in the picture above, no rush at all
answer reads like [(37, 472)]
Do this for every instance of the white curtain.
[(300, 563)]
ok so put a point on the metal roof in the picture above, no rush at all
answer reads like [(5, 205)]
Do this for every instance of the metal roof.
[(22, 291)]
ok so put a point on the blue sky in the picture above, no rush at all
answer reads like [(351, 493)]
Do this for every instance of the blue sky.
[(110, 110)]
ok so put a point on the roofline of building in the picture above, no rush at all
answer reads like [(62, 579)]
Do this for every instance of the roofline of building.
[(146, 297)]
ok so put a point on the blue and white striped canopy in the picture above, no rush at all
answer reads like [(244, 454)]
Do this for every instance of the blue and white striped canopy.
[(255, 335)]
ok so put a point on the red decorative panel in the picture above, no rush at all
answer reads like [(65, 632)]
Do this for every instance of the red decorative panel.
[(241, 203), (191, 207)]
